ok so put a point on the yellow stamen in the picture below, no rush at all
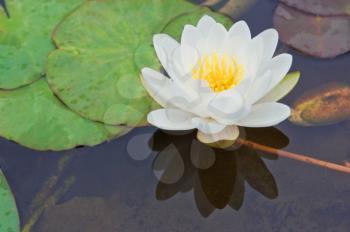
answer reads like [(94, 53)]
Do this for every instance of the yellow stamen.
[(221, 72)]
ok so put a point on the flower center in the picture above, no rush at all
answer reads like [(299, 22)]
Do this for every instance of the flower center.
[(221, 72)]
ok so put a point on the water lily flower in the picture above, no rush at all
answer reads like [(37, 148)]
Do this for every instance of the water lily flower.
[(217, 80)]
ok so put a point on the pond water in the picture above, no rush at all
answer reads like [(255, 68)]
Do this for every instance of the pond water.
[(151, 181)]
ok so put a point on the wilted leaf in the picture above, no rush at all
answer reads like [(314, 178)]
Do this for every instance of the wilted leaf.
[(318, 36), (9, 220), (322, 106), (25, 38), (321, 7), (34, 117), (102, 47)]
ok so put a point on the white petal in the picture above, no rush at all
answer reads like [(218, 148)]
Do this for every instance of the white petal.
[(183, 61), (166, 92), (171, 119), (205, 23), (164, 46), (270, 40), (244, 86), (241, 29), (265, 115), (251, 58), (236, 46), (259, 88), (225, 106), (216, 39), (191, 36), (279, 67), (229, 133), (207, 126), (282, 88), (200, 86), (156, 83)]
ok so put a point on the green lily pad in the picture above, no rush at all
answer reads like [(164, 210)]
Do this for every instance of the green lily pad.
[(101, 48), (9, 219), (25, 39), (35, 118)]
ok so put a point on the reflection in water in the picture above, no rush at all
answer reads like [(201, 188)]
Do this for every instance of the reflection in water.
[(216, 176)]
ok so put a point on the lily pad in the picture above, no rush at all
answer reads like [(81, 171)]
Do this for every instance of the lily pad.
[(102, 47), (324, 37), (9, 219), (35, 118), (321, 7), (25, 39), (323, 105)]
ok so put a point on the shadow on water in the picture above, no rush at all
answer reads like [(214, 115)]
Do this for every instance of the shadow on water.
[(216, 176)]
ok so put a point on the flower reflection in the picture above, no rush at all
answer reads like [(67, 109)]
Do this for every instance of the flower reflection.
[(216, 176)]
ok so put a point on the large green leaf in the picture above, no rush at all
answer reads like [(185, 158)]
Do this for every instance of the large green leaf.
[(34, 117), (102, 47), (9, 220), (25, 39)]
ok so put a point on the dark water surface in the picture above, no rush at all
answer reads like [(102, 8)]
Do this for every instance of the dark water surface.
[(105, 189)]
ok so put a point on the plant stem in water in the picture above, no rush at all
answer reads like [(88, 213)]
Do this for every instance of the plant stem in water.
[(294, 156)]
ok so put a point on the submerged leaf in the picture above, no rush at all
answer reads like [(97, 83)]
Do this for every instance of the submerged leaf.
[(321, 7), (233, 8), (9, 220), (102, 47), (25, 38), (322, 106), (35, 118), (318, 36)]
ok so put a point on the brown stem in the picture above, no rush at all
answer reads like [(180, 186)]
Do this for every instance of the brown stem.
[(294, 156)]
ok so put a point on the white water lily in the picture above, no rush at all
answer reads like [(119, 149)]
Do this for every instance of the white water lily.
[(218, 80)]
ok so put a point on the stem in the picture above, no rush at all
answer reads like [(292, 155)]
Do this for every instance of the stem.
[(294, 156), (50, 201)]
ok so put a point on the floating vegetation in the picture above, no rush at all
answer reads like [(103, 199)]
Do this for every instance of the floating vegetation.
[(25, 38), (9, 220), (35, 118), (323, 105), (315, 35), (95, 71), (321, 7)]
